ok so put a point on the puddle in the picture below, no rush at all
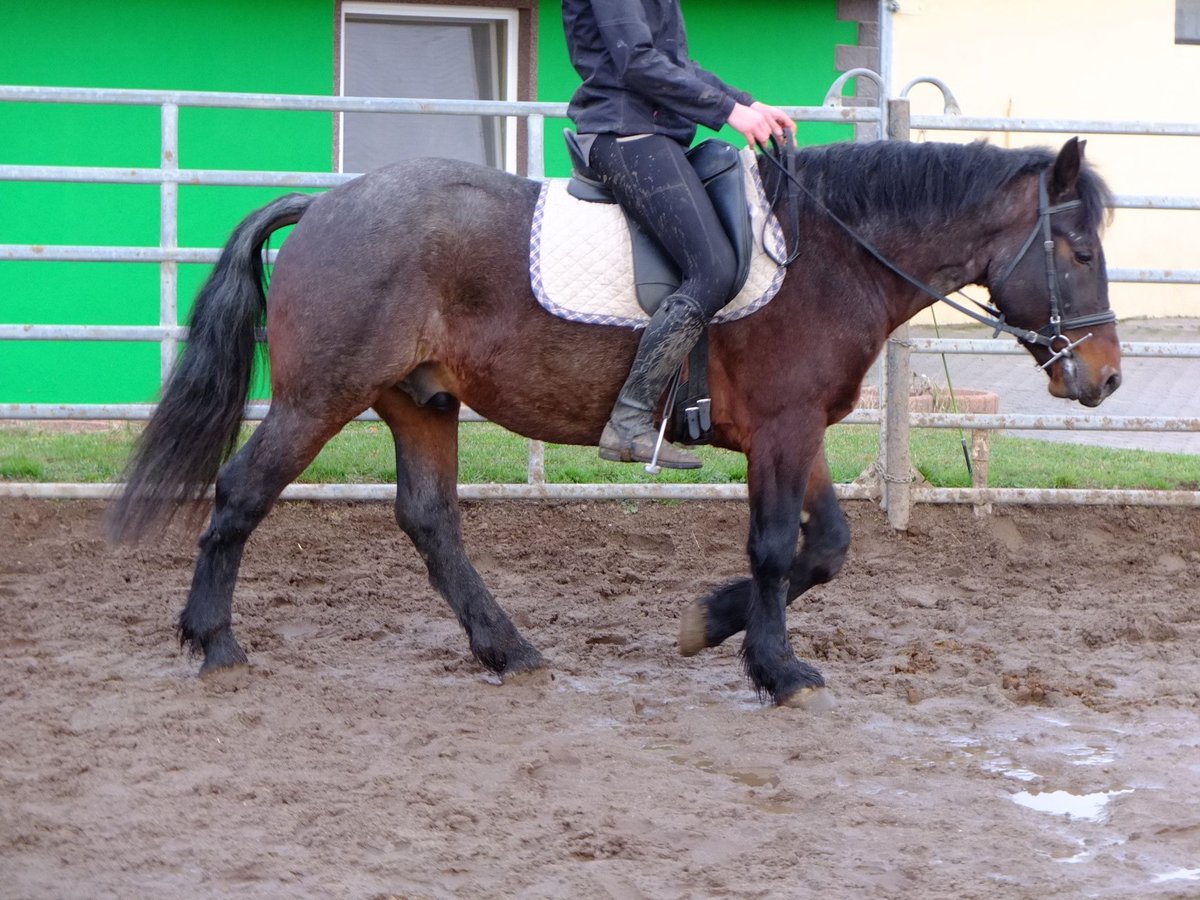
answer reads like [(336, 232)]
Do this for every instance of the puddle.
[(1090, 754), (1090, 807), (751, 776), (592, 685), (1178, 875), (991, 760)]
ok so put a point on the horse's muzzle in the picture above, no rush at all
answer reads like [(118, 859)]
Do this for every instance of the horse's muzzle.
[(1074, 379)]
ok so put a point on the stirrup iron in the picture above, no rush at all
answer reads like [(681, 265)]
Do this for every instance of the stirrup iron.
[(653, 467)]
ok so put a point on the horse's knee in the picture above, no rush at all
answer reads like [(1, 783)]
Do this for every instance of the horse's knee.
[(421, 516), (239, 506), (771, 551)]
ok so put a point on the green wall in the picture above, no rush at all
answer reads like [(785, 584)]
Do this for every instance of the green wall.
[(220, 45), (782, 51)]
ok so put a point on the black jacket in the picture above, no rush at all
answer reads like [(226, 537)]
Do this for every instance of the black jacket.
[(637, 77)]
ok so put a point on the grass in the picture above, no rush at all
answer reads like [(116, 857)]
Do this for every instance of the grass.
[(363, 453)]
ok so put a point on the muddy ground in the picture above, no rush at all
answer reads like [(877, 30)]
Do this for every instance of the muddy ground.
[(1017, 713)]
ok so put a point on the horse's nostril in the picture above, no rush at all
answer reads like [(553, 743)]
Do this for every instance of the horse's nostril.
[(1113, 382)]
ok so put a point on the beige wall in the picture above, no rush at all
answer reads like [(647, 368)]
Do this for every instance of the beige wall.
[(1078, 59)]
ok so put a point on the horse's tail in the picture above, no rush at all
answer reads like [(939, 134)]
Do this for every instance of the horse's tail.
[(195, 426)]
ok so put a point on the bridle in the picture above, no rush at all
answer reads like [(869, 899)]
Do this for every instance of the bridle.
[(1049, 335)]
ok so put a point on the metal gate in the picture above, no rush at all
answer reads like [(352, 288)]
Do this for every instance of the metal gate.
[(894, 485)]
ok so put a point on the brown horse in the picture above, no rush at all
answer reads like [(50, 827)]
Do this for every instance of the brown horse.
[(407, 291)]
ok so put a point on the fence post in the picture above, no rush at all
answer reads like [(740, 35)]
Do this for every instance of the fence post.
[(535, 167), (897, 377), (168, 237)]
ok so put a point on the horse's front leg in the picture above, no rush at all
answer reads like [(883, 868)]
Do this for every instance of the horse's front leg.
[(721, 614), (779, 469)]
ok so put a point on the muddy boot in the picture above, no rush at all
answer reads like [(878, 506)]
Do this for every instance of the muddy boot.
[(630, 434)]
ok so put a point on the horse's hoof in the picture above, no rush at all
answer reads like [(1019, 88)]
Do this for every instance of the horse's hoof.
[(693, 629), (810, 699), (221, 652), (522, 660)]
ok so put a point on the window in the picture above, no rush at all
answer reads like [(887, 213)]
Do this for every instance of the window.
[(1187, 21), (427, 51)]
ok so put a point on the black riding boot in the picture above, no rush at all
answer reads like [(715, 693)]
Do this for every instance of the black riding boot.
[(630, 434)]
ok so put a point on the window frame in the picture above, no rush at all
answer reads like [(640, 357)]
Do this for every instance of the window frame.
[(1187, 12), (507, 16)]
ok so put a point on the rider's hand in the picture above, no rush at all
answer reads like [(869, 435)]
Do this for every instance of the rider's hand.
[(758, 122), (780, 121)]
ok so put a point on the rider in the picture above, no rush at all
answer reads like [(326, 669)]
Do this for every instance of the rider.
[(636, 113)]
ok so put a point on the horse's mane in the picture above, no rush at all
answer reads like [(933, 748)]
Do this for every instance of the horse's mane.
[(909, 184)]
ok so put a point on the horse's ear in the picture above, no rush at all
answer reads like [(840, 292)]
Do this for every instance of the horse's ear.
[(1066, 168)]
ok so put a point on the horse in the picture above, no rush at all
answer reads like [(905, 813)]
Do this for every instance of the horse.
[(407, 291)]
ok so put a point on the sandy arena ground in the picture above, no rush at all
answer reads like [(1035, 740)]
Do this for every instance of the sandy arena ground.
[(1017, 713)]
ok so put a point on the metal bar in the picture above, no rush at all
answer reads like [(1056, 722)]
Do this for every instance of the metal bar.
[(731, 492), (262, 178), (469, 492), (1156, 276), (168, 240), (87, 253), (294, 102), (75, 253), (1018, 422), (895, 441), (153, 333), (535, 128), (535, 462), (990, 346), (135, 412), (1057, 496), (220, 177), (323, 103), (1153, 201), (1055, 126), (1023, 422), (981, 347)]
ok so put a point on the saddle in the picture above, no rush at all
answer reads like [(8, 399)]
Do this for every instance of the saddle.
[(718, 164), (656, 277)]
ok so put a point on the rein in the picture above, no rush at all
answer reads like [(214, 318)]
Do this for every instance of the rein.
[(1047, 336)]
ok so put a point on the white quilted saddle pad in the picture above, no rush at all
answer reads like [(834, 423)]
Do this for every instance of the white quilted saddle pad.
[(581, 263)]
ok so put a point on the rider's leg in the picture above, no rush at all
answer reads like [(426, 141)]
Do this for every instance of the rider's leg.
[(655, 183), (630, 434)]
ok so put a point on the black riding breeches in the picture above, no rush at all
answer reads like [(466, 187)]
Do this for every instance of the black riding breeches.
[(654, 182)]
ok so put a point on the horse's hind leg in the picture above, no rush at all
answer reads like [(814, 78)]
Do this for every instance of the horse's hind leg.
[(247, 487), (427, 511), (721, 614)]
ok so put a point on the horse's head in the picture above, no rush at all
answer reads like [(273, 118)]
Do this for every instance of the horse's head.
[(1048, 278)]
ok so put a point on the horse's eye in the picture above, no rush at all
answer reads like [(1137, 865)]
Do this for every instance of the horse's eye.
[(1083, 257)]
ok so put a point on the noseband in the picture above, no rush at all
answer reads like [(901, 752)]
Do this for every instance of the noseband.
[(1049, 335)]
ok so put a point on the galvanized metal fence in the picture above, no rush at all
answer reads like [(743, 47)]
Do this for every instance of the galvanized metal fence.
[(894, 486)]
